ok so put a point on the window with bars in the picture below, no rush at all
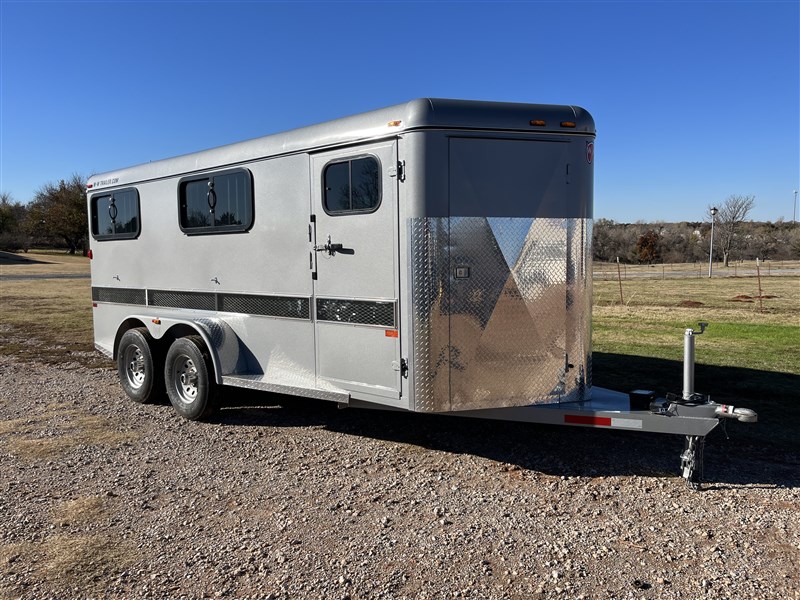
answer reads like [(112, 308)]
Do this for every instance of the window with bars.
[(216, 203), (116, 215)]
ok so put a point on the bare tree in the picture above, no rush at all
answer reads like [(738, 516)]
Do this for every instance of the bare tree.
[(732, 213)]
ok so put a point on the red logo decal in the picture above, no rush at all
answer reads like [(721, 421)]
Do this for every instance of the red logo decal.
[(589, 152)]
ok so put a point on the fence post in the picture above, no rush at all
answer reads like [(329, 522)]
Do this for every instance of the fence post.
[(760, 291)]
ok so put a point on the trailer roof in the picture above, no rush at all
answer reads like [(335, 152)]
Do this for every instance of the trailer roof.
[(423, 113)]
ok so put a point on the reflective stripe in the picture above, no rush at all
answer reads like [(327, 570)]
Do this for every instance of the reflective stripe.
[(602, 421)]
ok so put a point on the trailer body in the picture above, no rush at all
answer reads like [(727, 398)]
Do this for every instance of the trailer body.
[(433, 256), (456, 276)]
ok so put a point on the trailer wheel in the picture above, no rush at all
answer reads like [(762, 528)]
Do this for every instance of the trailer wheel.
[(188, 372), (139, 373)]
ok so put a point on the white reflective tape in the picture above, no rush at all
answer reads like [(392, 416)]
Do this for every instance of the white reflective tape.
[(629, 423)]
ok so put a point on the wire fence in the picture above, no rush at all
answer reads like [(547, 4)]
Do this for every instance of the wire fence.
[(612, 271)]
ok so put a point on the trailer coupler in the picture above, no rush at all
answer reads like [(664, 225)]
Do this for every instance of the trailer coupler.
[(745, 415)]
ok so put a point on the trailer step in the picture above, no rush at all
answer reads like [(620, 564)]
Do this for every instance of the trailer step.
[(296, 386)]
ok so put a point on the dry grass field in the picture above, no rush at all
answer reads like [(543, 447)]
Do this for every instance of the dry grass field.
[(750, 354)]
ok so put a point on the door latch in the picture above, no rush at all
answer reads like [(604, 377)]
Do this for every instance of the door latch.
[(328, 247), (401, 366), (399, 171)]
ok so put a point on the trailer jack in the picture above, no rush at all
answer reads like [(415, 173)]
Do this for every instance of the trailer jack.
[(692, 461), (690, 403)]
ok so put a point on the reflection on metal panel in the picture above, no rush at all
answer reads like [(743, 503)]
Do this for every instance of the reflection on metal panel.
[(363, 312), (501, 311), (272, 306)]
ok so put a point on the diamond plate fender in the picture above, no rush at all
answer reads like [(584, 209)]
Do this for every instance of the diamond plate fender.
[(221, 340)]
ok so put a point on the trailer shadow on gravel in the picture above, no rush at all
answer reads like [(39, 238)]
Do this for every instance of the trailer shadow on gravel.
[(731, 458)]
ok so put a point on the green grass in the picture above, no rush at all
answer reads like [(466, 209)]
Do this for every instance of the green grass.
[(767, 347), (749, 355)]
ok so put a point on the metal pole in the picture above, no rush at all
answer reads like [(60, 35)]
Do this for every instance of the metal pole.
[(760, 291), (688, 360), (711, 250), (794, 208), (688, 364)]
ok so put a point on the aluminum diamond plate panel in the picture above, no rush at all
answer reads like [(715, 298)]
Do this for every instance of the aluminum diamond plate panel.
[(430, 320), (502, 310)]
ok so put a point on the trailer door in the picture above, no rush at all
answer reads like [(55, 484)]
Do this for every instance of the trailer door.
[(355, 261), (509, 203)]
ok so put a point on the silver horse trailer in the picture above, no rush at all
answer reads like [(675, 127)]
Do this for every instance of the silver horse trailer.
[(433, 256)]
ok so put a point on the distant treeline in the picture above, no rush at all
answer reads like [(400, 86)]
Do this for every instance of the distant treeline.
[(690, 242), (56, 217)]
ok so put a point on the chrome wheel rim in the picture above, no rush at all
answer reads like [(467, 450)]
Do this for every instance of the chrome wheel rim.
[(133, 360), (184, 377)]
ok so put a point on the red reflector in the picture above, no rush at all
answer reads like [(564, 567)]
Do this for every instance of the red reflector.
[(89, 186), (94, 304), (89, 254), (392, 333), (586, 420)]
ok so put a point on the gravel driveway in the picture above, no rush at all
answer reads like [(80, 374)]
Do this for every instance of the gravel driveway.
[(289, 498)]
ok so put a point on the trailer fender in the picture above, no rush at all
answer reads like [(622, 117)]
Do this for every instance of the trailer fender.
[(221, 340)]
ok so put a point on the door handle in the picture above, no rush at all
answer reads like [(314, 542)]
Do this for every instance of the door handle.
[(329, 247)]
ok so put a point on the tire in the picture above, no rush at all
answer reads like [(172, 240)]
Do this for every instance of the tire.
[(189, 376), (138, 366)]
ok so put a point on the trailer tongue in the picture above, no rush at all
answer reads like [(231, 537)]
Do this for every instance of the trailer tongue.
[(690, 414)]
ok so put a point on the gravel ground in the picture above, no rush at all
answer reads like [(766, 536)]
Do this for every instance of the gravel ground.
[(290, 498)]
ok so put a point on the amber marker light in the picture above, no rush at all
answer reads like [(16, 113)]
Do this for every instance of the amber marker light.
[(156, 321), (538, 123), (392, 333), (394, 123), (568, 123)]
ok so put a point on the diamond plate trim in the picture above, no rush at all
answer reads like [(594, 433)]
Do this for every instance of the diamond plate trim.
[(517, 330), (261, 383), (224, 343), (430, 283)]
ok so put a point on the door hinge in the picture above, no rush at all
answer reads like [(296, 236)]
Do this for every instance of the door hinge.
[(399, 171)]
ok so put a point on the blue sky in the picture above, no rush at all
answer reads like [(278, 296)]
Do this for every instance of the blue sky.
[(694, 101)]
